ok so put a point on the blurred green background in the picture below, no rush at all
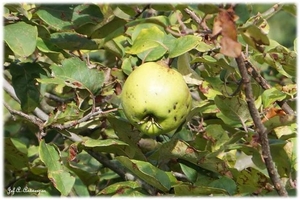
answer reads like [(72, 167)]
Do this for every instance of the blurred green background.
[(283, 24)]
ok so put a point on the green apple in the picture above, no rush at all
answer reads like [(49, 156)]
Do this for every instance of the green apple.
[(155, 99)]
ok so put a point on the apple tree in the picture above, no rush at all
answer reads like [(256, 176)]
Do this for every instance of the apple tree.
[(66, 132)]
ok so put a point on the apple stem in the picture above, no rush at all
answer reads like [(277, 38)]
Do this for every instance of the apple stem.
[(150, 122)]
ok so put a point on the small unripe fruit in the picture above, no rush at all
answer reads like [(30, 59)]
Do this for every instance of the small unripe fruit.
[(156, 99)]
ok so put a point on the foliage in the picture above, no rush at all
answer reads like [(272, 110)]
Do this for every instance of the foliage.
[(66, 133)]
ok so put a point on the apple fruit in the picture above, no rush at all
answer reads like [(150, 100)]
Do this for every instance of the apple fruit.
[(155, 99)]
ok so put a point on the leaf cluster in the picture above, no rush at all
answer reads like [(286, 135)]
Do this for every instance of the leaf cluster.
[(68, 63)]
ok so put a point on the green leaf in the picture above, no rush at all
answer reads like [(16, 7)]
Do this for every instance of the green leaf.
[(21, 38), (126, 66), (208, 8), (204, 47), (281, 158), (147, 39), (49, 156), (243, 12), (15, 154), (80, 188), (249, 181), (279, 120), (271, 95), (254, 36), (24, 77), (189, 75), (42, 189), (152, 54), (72, 41), (61, 179), (148, 173), (110, 30), (69, 113), (128, 188), (115, 46), (46, 46), (217, 134), (125, 133), (234, 108), (290, 8), (108, 145), (182, 45), (180, 149), (86, 14), (74, 73), (102, 143), (225, 183), (68, 16), (186, 189), (190, 173)]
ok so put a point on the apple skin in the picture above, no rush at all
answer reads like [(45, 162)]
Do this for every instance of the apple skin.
[(155, 99)]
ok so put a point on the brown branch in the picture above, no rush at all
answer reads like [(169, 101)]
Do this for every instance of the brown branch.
[(261, 129), (196, 18), (30, 118), (83, 119), (140, 12), (252, 71)]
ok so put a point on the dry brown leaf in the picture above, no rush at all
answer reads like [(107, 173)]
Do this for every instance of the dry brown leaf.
[(272, 112), (224, 24)]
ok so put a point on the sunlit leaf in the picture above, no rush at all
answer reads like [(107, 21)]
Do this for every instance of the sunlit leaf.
[(127, 188), (74, 73), (185, 189), (182, 45), (61, 179), (148, 173), (271, 95), (147, 39)]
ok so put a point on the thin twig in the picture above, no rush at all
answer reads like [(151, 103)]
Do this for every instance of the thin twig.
[(260, 128), (196, 18), (270, 12), (83, 119), (30, 118), (57, 98), (141, 12)]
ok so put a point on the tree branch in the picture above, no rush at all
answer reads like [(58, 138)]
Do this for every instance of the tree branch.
[(261, 129), (30, 118), (197, 19), (270, 12), (85, 118), (265, 85)]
